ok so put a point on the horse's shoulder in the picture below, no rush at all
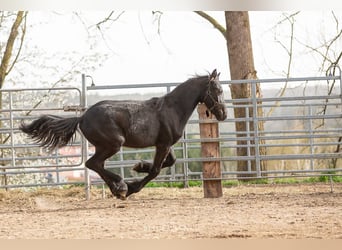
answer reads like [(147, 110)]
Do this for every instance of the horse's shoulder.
[(154, 102)]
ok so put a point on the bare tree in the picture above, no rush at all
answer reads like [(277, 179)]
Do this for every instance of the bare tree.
[(241, 64), (290, 19), (18, 59), (8, 60), (328, 52), (10, 53)]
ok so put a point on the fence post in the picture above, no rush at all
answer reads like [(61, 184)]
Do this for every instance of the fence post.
[(211, 169), (84, 141)]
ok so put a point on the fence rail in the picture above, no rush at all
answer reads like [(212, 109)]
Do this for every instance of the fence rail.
[(301, 137), (22, 162)]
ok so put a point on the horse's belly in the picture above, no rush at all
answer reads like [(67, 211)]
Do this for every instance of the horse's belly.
[(139, 140), (142, 133)]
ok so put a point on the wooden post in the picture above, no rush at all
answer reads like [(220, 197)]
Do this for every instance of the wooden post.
[(211, 169)]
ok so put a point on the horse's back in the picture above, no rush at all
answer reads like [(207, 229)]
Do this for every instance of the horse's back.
[(131, 123)]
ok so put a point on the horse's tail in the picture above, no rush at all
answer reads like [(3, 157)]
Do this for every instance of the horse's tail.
[(51, 131)]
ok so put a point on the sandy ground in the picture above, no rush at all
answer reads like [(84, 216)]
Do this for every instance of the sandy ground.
[(254, 211)]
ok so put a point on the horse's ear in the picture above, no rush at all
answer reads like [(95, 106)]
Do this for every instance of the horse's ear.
[(213, 75)]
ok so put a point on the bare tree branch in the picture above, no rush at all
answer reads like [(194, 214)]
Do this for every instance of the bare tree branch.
[(336, 20), (82, 21), (142, 29), (331, 69), (213, 21), (62, 79), (158, 15), (289, 51), (315, 50), (327, 46), (109, 18), (286, 18), (23, 32), (105, 20), (9, 47), (338, 59)]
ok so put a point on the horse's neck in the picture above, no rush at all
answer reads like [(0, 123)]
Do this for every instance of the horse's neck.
[(186, 97)]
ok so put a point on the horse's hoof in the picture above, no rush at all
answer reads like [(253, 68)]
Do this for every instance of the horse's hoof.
[(121, 195), (121, 190), (138, 167), (142, 167)]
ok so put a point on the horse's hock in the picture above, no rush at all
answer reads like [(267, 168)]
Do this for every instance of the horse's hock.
[(211, 169)]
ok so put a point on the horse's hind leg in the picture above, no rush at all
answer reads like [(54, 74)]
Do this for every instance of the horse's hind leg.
[(145, 167), (170, 159), (115, 183)]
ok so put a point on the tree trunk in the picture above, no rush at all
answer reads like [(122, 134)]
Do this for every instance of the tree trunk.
[(5, 63), (5, 68), (241, 65)]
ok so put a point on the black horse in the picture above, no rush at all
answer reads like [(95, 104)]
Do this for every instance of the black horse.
[(109, 125)]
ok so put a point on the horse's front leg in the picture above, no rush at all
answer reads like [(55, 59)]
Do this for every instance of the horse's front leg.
[(160, 157)]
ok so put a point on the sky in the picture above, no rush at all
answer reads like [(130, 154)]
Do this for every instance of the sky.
[(136, 49)]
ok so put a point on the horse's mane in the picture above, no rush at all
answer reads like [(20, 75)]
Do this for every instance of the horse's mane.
[(198, 76), (194, 78)]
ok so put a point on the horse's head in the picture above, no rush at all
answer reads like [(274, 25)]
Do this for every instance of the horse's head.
[(214, 99)]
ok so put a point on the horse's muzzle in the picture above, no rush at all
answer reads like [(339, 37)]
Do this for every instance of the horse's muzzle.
[(220, 112)]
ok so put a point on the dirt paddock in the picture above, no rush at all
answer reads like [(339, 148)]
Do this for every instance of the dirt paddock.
[(302, 211)]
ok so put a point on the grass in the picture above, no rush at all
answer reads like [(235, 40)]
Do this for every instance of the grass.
[(324, 177)]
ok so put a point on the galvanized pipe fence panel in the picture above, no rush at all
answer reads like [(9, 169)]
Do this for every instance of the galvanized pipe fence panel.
[(301, 137), (22, 162)]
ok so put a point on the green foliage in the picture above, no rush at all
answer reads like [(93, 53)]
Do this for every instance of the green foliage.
[(287, 181), (263, 181), (177, 184), (165, 184), (230, 183), (258, 181), (327, 176), (324, 177)]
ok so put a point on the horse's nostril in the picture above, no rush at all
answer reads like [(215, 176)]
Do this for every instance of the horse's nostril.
[(223, 114)]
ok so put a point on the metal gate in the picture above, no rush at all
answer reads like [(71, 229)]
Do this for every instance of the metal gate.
[(302, 133), (22, 162)]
